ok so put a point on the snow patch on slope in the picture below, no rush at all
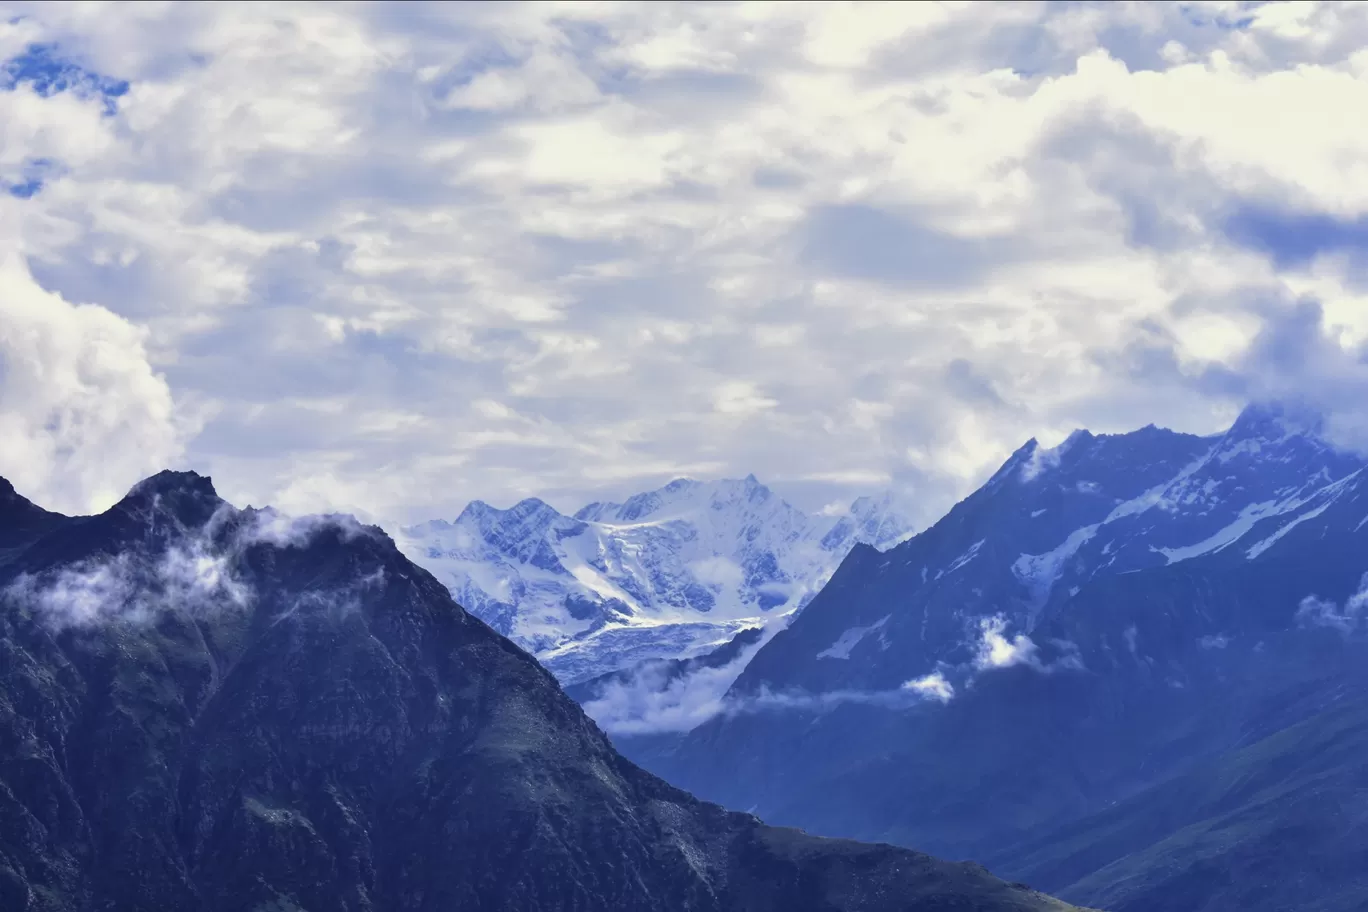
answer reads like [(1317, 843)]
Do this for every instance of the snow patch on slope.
[(850, 639), (1040, 571)]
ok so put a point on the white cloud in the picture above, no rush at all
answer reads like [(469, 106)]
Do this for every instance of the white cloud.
[(934, 686), (1318, 612), (719, 571), (82, 413), (554, 249), (995, 650), (189, 577), (198, 572)]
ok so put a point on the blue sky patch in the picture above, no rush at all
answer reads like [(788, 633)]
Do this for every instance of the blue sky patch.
[(31, 178), (42, 67), (1295, 238)]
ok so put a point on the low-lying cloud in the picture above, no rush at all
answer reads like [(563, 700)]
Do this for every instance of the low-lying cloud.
[(933, 686), (126, 588), (994, 650), (199, 573), (656, 699), (1352, 617)]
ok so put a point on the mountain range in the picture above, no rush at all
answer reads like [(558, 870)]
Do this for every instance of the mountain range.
[(208, 708), (671, 573), (1131, 669)]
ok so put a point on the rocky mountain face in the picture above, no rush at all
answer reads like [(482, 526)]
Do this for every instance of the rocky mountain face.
[(1127, 669), (667, 574), (205, 708)]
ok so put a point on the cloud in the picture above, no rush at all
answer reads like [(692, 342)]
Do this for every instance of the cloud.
[(198, 573), (82, 412), (128, 589), (996, 651), (650, 701), (718, 571), (1351, 618), (993, 650), (395, 257), (934, 686), (656, 697)]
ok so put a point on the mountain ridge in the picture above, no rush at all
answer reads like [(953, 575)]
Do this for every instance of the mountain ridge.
[(288, 715)]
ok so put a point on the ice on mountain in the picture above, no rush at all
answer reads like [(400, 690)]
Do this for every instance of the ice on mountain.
[(850, 639), (966, 557), (1269, 542), (1040, 571)]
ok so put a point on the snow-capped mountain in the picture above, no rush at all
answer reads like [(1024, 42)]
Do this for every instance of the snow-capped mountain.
[(1048, 523), (667, 573), (1099, 619)]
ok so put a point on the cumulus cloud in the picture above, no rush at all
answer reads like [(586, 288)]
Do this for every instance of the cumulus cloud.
[(996, 651), (993, 650), (645, 240), (82, 412)]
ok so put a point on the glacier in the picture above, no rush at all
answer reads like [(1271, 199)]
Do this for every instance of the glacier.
[(669, 573)]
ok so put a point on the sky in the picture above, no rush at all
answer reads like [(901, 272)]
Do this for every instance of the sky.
[(388, 258)]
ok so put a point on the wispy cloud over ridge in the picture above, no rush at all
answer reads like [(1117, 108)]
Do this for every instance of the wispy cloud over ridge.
[(395, 257), (199, 571)]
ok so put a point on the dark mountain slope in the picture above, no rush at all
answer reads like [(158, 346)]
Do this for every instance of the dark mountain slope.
[(210, 709), (20, 520), (1276, 824)]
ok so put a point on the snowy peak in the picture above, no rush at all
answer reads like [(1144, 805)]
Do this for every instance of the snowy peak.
[(679, 497), (662, 574), (1276, 422), (1054, 521)]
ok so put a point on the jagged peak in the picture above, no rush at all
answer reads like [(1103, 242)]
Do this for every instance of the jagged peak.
[(529, 506), (170, 482), (171, 488), (1276, 420), (188, 497), (647, 503), (1019, 456)]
